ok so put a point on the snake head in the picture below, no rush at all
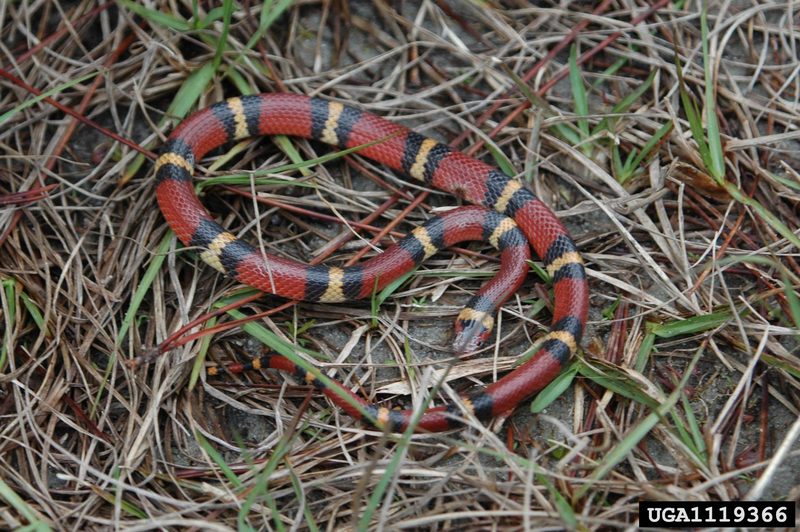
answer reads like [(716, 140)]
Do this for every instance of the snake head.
[(472, 330)]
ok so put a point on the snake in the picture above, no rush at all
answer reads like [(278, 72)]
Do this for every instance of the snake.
[(505, 212)]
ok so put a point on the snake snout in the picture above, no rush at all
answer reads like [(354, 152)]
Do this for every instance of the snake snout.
[(471, 331)]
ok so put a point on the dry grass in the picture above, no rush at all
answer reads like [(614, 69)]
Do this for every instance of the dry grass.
[(688, 384)]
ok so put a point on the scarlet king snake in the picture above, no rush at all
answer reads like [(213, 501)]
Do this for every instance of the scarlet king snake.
[(499, 198)]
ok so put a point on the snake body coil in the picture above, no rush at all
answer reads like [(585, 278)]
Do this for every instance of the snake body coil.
[(499, 198)]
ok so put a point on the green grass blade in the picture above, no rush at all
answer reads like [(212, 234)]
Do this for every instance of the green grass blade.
[(222, 41), (9, 308), (789, 183), (187, 95), (776, 223), (287, 350), (378, 298), (500, 159), (611, 70), (579, 93), (540, 272), (651, 143), (693, 325), (130, 315), (562, 505), (246, 179), (716, 162), (645, 350), (391, 469), (46, 94), (792, 299), (555, 389), (698, 441), (157, 18), (19, 504), (218, 460), (692, 115), (611, 377), (213, 16), (300, 164), (126, 506), (144, 285), (782, 364), (198, 366), (629, 168), (270, 12), (788, 284), (269, 338), (620, 451), (190, 91), (566, 131), (261, 488), (624, 105), (35, 313), (685, 435), (392, 287), (241, 83), (297, 486), (38, 526)]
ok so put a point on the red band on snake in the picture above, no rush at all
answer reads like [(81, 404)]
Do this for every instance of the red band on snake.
[(500, 199)]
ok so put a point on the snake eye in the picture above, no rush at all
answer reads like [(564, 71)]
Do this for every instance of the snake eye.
[(471, 331)]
